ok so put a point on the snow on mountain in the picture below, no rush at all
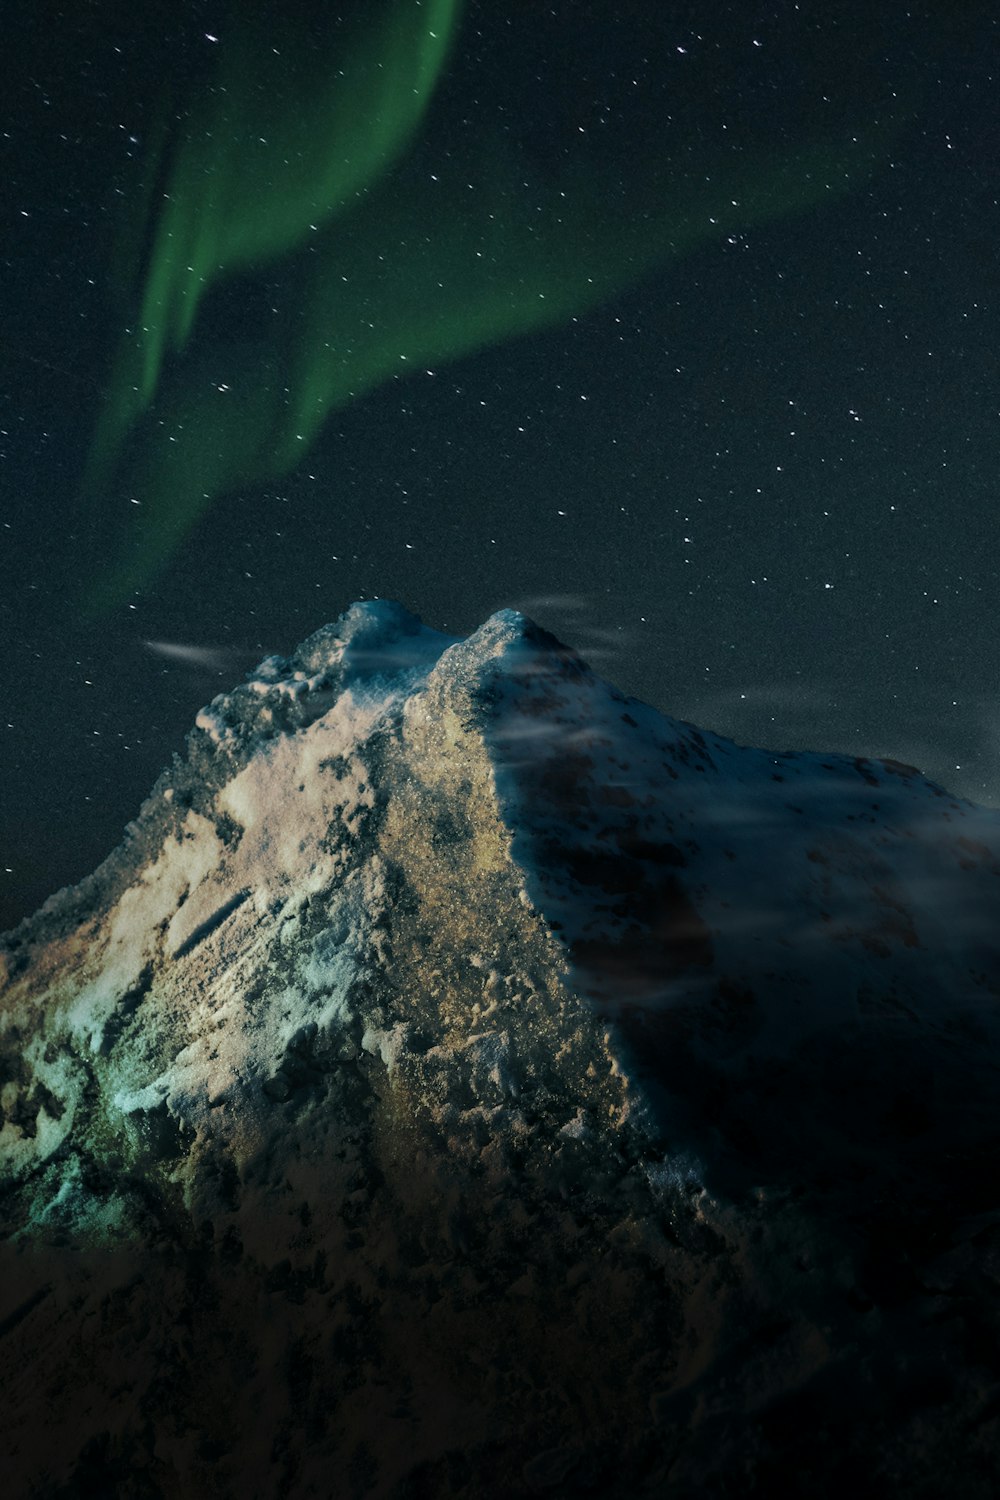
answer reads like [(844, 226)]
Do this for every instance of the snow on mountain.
[(466, 1080)]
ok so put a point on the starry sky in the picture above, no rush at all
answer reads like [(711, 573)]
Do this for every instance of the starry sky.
[(674, 326)]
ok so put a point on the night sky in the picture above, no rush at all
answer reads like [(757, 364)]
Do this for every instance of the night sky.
[(674, 325)]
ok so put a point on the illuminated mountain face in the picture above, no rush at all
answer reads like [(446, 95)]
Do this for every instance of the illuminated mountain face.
[(468, 1080)]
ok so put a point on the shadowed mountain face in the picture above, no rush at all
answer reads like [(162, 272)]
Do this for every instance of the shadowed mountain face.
[(466, 1081)]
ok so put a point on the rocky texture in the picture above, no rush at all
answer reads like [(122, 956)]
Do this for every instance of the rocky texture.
[(465, 1081)]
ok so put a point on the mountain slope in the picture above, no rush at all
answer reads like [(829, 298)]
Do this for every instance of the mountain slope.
[(464, 1080)]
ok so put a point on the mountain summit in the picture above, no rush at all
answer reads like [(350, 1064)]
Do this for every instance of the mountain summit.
[(464, 1080)]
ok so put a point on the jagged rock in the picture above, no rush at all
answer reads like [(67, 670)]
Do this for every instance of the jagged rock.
[(467, 1081)]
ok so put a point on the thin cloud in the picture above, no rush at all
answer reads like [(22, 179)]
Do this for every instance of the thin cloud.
[(205, 658)]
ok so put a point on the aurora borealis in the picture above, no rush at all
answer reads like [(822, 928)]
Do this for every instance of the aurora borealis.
[(314, 183), (253, 171)]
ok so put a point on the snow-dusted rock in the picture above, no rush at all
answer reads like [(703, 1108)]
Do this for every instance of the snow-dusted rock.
[(467, 1081)]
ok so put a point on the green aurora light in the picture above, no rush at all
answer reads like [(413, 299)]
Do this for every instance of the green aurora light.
[(378, 266)]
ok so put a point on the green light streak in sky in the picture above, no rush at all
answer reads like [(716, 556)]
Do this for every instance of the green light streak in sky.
[(382, 267), (263, 164)]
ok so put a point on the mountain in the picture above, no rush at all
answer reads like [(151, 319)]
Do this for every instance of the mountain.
[(465, 1081)]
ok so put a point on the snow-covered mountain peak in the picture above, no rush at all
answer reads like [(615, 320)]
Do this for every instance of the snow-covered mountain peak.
[(463, 1028)]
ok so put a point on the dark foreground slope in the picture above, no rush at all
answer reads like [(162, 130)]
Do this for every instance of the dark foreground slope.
[(465, 1081)]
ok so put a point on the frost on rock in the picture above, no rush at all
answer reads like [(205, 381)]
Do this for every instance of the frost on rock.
[(467, 1081)]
